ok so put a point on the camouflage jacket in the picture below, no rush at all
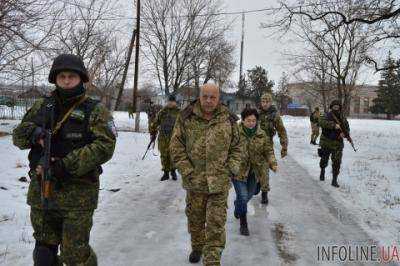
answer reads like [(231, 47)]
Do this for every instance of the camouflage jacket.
[(314, 117), (82, 165), (206, 153), (152, 111), (164, 122), (258, 154), (271, 123), (330, 137)]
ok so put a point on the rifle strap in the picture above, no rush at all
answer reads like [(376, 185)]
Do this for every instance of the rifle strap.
[(337, 121), (68, 113)]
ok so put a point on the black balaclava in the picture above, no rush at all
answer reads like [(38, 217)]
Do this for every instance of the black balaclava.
[(67, 95)]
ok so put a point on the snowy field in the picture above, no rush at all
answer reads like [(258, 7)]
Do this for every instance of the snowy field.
[(369, 178), (141, 221)]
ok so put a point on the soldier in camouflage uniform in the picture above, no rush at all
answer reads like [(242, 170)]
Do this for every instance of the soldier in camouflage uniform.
[(83, 139), (164, 124), (314, 117), (206, 149), (152, 111), (258, 157), (331, 141), (271, 123)]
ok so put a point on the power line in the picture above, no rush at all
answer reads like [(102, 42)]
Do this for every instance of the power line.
[(119, 17)]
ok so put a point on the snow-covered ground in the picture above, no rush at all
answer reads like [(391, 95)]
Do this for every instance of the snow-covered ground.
[(369, 178), (143, 222)]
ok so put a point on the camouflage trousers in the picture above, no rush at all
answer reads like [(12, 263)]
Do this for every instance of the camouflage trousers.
[(314, 132), (206, 215), (264, 182), (163, 147), (336, 157), (69, 229)]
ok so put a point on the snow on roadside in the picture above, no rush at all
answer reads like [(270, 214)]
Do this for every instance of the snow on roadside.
[(16, 241), (124, 123), (369, 178)]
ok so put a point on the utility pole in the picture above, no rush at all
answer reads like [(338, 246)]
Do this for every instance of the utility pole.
[(33, 74), (126, 67), (136, 77), (241, 52)]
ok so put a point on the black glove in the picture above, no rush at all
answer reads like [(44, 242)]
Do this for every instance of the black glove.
[(37, 134), (58, 171), (153, 137)]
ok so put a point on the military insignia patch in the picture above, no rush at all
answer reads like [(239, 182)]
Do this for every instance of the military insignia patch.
[(112, 128), (78, 114)]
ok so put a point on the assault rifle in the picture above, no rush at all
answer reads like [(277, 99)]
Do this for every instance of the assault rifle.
[(152, 142), (47, 178), (346, 134)]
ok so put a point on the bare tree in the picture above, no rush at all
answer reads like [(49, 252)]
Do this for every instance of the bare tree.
[(177, 35), (344, 49), (25, 26), (219, 61), (378, 16), (86, 34), (316, 75)]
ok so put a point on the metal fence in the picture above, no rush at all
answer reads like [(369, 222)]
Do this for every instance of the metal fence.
[(16, 110)]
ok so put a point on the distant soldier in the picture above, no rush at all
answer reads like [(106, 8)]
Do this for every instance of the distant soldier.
[(131, 112), (333, 124), (163, 124), (83, 138), (271, 123), (206, 149), (314, 117)]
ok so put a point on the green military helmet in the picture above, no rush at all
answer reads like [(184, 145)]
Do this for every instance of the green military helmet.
[(267, 97)]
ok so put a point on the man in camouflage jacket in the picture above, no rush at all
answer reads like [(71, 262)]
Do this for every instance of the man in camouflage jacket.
[(314, 117), (83, 139), (152, 110), (331, 142), (163, 124), (206, 149), (271, 123)]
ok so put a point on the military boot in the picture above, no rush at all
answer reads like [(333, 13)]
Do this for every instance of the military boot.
[(322, 175), (195, 256), (264, 197), (165, 176), (45, 255), (173, 175), (244, 230), (334, 180)]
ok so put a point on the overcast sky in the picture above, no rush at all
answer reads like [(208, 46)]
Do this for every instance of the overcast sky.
[(259, 49), (263, 49)]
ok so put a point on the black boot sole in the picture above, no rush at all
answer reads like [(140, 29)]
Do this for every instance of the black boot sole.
[(194, 258)]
